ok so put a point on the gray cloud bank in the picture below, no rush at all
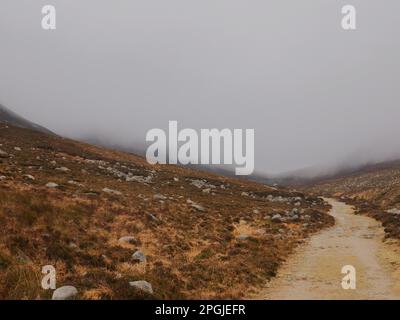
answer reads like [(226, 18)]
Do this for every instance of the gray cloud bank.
[(315, 94)]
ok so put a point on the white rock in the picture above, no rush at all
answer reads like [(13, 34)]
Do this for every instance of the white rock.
[(111, 191), (142, 285), (159, 197), (196, 205), (139, 256), (127, 239), (277, 218), (140, 179), (75, 183), (63, 169), (17, 149), (65, 293), (393, 211), (51, 185), (3, 154)]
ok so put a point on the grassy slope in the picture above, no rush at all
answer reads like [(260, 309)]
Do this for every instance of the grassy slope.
[(373, 191), (76, 227)]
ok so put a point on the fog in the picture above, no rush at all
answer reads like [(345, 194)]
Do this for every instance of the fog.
[(316, 95)]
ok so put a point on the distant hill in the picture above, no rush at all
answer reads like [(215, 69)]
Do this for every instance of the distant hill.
[(10, 117), (373, 189)]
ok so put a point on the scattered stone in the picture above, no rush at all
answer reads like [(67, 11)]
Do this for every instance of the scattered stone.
[(111, 191), (199, 207), (244, 194), (72, 245), (140, 179), (91, 194), (65, 293), (142, 285), (128, 239), (208, 190), (63, 169), (51, 185), (3, 154), (242, 237), (196, 205), (28, 177), (3, 178), (277, 218), (72, 182), (153, 217), (159, 197), (393, 211), (139, 256)]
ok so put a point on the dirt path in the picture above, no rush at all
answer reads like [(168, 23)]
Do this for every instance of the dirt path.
[(314, 271)]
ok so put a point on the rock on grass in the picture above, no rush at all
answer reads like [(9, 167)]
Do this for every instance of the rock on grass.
[(142, 286), (65, 293)]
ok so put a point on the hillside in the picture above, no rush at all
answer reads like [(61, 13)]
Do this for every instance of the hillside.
[(374, 190), (105, 218), (9, 117)]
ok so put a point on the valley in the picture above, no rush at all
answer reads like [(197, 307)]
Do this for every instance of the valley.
[(115, 227)]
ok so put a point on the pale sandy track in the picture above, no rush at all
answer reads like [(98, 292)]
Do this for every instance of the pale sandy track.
[(314, 270)]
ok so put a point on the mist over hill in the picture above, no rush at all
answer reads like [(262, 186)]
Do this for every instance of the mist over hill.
[(9, 117)]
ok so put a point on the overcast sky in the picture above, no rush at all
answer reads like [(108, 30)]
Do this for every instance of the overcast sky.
[(314, 93)]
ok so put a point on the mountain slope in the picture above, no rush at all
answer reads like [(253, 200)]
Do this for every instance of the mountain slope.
[(374, 190), (9, 117), (104, 219)]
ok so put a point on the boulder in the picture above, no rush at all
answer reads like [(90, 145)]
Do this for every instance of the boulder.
[(51, 185), (159, 197), (242, 237), (3, 154), (139, 256), (65, 293), (128, 239), (142, 286), (111, 191), (277, 218)]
